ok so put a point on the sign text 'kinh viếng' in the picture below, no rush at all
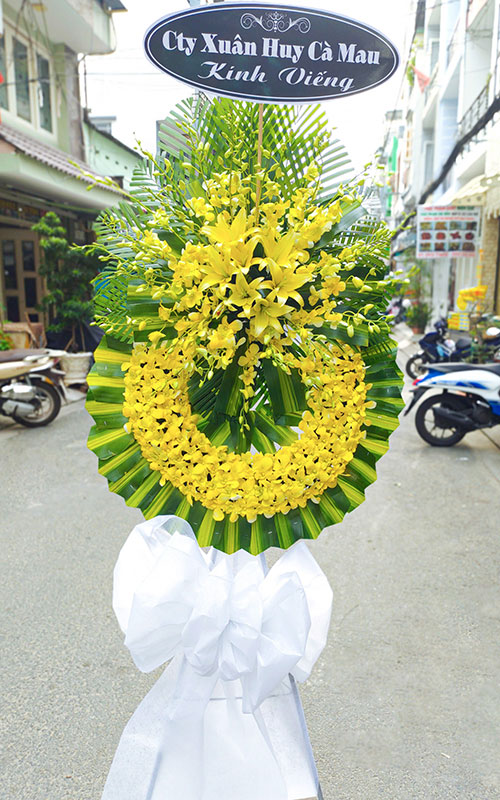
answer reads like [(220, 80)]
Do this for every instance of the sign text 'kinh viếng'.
[(270, 53)]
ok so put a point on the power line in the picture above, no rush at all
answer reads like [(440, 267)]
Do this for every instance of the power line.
[(459, 146)]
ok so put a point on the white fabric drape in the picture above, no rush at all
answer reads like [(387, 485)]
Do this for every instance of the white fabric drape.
[(210, 728)]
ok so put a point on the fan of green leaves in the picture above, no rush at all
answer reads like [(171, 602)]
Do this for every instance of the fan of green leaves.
[(201, 137)]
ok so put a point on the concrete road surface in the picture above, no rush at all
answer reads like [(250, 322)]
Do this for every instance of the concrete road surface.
[(404, 704)]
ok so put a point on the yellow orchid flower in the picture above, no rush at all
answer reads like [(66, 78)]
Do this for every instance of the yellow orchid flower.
[(273, 212), (155, 336), (250, 357), (194, 297), (221, 337), (201, 208)]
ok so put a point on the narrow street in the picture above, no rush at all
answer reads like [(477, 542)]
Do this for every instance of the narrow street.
[(174, 174), (404, 703)]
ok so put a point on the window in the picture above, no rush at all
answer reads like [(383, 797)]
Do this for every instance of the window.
[(13, 309), (21, 74), (428, 162), (30, 292), (9, 264), (434, 51), (4, 99), (44, 109), (28, 74), (28, 257)]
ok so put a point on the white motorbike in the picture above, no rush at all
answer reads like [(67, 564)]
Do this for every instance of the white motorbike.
[(469, 400), (31, 386)]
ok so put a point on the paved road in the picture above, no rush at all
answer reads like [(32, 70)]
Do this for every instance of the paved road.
[(405, 701)]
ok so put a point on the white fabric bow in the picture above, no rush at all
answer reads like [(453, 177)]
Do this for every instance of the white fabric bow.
[(236, 632)]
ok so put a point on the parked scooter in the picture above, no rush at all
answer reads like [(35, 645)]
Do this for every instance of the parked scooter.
[(469, 400), (437, 348), (31, 387), (397, 309)]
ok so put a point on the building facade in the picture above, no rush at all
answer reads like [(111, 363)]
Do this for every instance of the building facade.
[(107, 155), (43, 143), (447, 151)]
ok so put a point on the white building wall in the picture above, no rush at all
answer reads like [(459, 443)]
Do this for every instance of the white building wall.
[(444, 137), (461, 56)]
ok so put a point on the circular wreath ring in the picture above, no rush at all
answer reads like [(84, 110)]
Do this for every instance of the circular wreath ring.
[(131, 475), (246, 484)]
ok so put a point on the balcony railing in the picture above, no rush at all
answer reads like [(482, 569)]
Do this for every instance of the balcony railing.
[(474, 112)]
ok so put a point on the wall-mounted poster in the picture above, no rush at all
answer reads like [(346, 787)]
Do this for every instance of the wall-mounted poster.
[(447, 231)]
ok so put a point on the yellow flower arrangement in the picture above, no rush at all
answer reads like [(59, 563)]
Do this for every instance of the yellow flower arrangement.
[(253, 279), (245, 347), (474, 294)]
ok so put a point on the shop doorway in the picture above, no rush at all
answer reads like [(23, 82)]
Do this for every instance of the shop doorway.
[(21, 284)]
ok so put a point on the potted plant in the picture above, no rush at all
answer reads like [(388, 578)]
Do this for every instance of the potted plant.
[(418, 292), (418, 316), (68, 271), (5, 340)]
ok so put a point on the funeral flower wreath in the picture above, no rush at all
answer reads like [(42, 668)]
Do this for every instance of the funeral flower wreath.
[(246, 381)]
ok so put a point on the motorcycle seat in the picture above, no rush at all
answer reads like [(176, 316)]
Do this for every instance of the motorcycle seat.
[(19, 354), (456, 366)]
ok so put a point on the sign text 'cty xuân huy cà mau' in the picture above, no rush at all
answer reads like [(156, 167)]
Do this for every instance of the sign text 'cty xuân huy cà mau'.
[(270, 53)]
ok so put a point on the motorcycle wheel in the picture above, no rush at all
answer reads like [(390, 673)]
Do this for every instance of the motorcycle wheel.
[(415, 365), (425, 421), (50, 405)]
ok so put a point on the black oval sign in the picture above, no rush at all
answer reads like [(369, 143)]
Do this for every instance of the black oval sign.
[(266, 53)]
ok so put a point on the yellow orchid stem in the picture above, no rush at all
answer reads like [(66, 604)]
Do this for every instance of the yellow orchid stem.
[(259, 158)]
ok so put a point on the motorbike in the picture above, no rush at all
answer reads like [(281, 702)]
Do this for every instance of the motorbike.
[(436, 348), (469, 400), (31, 386), (397, 309)]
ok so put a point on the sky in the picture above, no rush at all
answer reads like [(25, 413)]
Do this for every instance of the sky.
[(126, 85)]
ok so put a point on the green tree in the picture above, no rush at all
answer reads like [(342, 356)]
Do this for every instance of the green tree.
[(68, 271), (5, 340), (419, 290)]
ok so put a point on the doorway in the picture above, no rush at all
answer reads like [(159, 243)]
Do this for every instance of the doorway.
[(21, 285)]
